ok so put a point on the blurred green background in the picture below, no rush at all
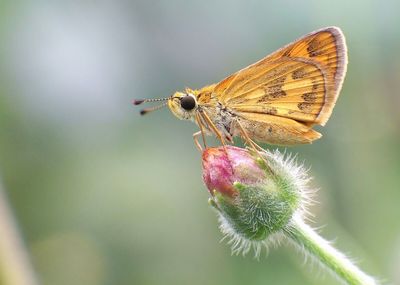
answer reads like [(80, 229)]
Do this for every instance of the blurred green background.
[(104, 196)]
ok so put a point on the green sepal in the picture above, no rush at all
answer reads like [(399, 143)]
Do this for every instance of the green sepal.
[(258, 210)]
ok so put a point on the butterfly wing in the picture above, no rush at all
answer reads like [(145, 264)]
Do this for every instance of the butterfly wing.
[(301, 81)]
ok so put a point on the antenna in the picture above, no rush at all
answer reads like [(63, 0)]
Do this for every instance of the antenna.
[(141, 101), (151, 109)]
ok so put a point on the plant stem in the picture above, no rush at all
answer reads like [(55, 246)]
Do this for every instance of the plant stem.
[(303, 236), (15, 268)]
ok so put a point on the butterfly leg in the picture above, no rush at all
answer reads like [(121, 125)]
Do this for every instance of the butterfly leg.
[(196, 141), (258, 149), (213, 127), (247, 139), (200, 123)]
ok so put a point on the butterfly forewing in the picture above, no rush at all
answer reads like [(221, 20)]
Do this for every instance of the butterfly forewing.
[(301, 81)]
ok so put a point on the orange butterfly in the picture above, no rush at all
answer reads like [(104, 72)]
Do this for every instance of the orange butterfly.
[(276, 100)]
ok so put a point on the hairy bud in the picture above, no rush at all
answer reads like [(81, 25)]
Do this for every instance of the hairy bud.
[(255, 194)]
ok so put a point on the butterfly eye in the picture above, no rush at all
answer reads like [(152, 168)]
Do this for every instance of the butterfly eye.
[(188, 103)]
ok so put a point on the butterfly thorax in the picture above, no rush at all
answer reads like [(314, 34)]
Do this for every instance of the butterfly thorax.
[(221, 116)]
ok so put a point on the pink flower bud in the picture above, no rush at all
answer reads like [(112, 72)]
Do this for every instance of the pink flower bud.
[(224, 166)]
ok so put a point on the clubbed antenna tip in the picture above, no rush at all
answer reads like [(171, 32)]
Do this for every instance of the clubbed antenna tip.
[(138, 102)]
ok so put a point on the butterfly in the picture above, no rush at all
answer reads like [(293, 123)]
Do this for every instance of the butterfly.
[(277, 100)]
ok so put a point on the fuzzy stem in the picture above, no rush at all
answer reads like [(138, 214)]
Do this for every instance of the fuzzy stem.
[(303, 236)]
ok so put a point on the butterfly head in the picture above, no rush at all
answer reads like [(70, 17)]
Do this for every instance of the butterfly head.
[(183, 105)]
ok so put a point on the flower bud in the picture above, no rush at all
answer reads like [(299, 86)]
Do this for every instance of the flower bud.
[(255, 193)]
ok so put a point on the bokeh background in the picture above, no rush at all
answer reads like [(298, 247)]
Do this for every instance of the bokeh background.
[(104, 196)]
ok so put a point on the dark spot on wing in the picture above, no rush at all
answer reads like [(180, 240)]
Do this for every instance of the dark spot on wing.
[(274, 90), (271, 111), (309, 97), (304, 106), (314, 47), (299, 73)]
